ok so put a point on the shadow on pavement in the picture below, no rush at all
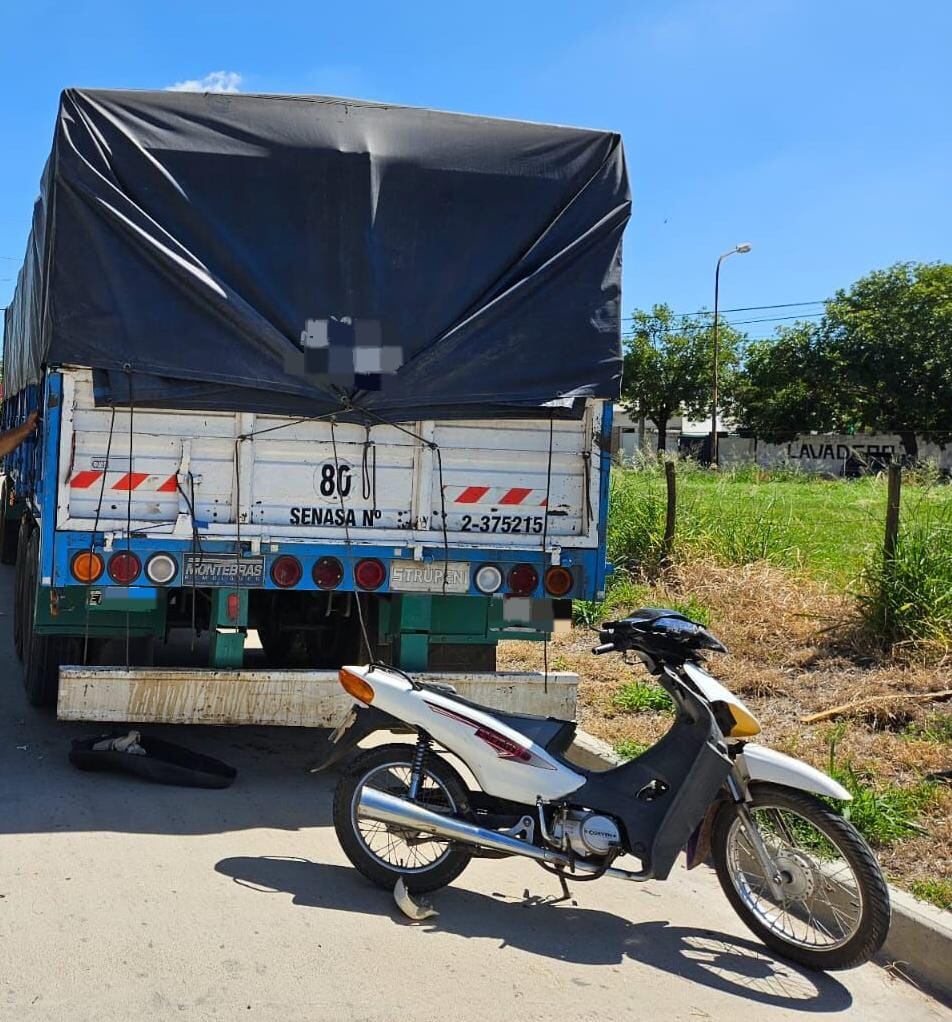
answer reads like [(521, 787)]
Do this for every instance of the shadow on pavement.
[(43, 793), (560, 931)]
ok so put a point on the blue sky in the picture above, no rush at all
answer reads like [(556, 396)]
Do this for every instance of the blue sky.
[(821, 132)]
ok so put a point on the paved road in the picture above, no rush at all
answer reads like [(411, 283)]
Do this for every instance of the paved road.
[(121, 900)]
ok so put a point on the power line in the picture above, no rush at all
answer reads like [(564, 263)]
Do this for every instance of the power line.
[(772, 319), (753, 309)]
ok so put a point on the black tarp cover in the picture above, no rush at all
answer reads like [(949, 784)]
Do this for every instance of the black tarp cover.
[(293, 253)]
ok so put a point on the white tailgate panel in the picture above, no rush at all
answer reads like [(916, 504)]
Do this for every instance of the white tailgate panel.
[(286, 483)]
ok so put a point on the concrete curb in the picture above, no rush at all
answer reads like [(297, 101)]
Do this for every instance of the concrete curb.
[(919, 944)]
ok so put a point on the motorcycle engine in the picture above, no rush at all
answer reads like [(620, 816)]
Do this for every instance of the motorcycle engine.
[(588, 833)]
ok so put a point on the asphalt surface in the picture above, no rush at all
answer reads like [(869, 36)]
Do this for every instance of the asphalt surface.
[(125, 900)]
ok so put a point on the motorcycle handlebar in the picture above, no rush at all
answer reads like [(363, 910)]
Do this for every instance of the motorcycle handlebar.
[(605, 647)]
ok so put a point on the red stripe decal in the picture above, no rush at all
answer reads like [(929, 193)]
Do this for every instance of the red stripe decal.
[(130, 481), (83, 480), (515, 496), (472, 494), (169, 486)]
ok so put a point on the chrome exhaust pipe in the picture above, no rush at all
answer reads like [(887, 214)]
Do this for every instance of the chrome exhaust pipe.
[(378, 805)]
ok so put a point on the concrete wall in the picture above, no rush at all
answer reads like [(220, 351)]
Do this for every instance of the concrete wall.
[(847, 455)]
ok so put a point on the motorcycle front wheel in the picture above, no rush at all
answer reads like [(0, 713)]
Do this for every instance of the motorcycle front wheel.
[(832, 910), (384, 852)]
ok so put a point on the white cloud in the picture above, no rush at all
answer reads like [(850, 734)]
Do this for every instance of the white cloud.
[(214, 81)]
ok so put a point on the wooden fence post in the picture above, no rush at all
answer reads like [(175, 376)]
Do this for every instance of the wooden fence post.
[(892, 511), (671, 514)]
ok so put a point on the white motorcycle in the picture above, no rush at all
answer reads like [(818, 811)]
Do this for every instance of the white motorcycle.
[(798, 874)]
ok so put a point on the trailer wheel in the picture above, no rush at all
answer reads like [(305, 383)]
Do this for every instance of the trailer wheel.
[(9, 534), (42, 654)]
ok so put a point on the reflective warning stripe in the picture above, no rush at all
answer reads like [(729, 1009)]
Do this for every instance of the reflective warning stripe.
[(143, 482), (496, 495)]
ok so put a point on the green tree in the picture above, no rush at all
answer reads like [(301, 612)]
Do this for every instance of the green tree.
[(880, 359), (785, 387), (888, 340), (669, 366)]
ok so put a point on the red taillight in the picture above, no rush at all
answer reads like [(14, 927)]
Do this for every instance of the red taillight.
[(369, 574), (523, 580), (233, 606), (328, 573), (558, 580), (286, 571), (124, 567)]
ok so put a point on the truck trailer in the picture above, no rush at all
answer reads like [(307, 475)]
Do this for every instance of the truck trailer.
[(334, 374)]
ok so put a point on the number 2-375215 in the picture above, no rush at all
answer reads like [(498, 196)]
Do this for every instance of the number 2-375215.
[(527, 524)]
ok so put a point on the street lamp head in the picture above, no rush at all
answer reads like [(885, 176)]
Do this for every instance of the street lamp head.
[(744, 246)]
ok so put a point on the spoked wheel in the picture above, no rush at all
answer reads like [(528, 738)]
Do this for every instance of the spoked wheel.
[(832, 908), (385, 852)]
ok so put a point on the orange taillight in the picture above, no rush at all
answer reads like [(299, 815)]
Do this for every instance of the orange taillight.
[(86, 567), (355, 685)]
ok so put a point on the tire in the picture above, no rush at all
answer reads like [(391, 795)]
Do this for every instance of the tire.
[(42, 654), (872, 919), (18, 614), (421, 879), (9, 533)]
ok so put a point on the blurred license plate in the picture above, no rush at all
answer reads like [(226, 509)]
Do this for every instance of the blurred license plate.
[(223, 570), (427, 576)]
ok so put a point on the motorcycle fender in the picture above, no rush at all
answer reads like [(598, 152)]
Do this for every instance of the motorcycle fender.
[(758, 763), (360, 722), (699, 846)]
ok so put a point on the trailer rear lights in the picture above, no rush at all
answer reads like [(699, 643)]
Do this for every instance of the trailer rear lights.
[(370, 573), (161, 569), (488, 579), (286, 571), (328, 573), (86, 567), (523, 580), (558, 581), (124, 567), (354, 685)]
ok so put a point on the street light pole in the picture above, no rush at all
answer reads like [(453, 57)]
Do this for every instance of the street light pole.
[(743, 248)]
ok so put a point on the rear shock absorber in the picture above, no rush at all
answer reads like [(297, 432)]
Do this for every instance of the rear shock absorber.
[(418, 767)]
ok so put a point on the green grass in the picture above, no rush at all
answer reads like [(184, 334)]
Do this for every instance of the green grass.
[(909, 596), (885, 813), (935, 728), (827, 529), (641, 697), (882, 813), (938, 892), (630, 749)]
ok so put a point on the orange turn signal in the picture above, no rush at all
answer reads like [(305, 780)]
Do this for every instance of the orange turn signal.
[(356, 686), (86, 567)]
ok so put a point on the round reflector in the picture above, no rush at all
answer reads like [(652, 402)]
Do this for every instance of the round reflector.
[(124, 567), (86, 566), (558, 580), (523, 580), (488, 578), (161, 568), (369, 574), (328, 573), (286, 571)]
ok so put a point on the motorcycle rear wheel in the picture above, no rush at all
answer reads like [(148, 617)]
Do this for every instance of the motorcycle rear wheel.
[(384, 853), (834, 912)]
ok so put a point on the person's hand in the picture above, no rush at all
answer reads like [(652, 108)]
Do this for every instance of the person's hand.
[(30, 424)]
